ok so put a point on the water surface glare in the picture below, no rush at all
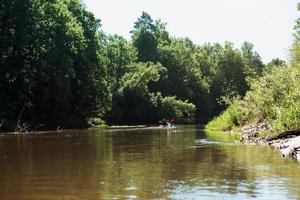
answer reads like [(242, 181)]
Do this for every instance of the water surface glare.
[(186, 163)]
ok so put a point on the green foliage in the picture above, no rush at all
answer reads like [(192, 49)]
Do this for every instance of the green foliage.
[(139, 76), (134, 103), (58, 69), (147, 36), (252, 60), (226, 121), (50, 56), (90, 82), (182, 111), (289, 119), (146, 44), (201, 74), (295, 50), (144, 22), (270, 94), (97, 122), (277, 62), (143, 38), (272, 100), (121, 55)]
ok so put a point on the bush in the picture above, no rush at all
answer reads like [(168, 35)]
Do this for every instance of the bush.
[(273, 99), (289, 119), (97, 122), (226, 121), (182, 111)]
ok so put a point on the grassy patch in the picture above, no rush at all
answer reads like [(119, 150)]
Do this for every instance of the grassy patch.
[(227, 121)]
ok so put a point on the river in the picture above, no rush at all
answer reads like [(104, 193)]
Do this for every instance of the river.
[(185, 163)]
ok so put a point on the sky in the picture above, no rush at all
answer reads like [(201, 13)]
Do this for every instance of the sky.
[(268, 24)]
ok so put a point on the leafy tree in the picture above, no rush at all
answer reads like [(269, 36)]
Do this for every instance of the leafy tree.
[(295, 50), (273, 99), (14, 73), (58, 69), (144, 22), (90, 82), (46, 48), (277, 62), (146, 44), (183, 111), (143, 38), (227, 76), (253, 62), (147, 35), (133, 103), (121, 55), (203, 75)]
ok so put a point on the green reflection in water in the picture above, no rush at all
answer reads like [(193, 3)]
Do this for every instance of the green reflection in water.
[(142, 164)]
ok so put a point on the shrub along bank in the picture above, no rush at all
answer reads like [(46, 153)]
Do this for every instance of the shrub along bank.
[(273, 99)]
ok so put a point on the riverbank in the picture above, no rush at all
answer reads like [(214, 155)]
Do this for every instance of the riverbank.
[(106, 128), (287, 142)]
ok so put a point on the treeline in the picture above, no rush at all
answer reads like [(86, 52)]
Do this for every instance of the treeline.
[(273, 101), (58, 69)]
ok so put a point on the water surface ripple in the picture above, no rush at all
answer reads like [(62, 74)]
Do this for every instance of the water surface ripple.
[(186, 163)]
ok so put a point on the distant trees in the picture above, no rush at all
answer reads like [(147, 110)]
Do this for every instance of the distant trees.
[(133, 67), (143, 38), (133, 101), (253, 62), (203, 75), (277, 62), (58, 69)]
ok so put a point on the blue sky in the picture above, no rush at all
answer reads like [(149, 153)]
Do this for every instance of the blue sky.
[(268, 24)]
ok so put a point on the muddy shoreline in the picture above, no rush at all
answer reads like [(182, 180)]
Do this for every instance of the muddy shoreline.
[(287, 142)]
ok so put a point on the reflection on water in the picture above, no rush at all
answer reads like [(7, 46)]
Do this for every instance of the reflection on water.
[(142, 164)]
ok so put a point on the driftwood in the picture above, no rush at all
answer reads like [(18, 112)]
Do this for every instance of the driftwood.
[(288, 142), (291, 148), (285, 134)]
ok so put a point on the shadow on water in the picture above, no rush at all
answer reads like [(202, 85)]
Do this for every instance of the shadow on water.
[(142, 164)]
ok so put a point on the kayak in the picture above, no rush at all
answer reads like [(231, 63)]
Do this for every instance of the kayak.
[(170, 127)]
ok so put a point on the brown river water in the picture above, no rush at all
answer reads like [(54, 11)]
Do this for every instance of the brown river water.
[(185, 163)]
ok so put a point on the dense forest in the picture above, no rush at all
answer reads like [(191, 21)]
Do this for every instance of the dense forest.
[(58, 69)]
